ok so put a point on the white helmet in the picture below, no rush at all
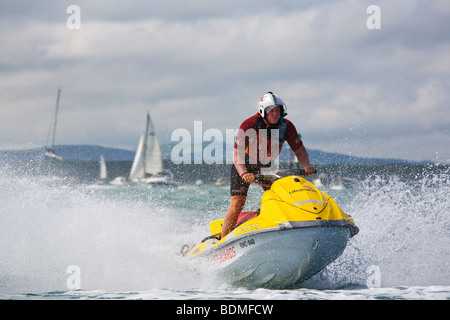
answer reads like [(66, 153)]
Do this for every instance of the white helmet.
[(270, 100)]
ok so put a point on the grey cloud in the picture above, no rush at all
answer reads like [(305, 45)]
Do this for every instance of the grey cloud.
[(211, 61)]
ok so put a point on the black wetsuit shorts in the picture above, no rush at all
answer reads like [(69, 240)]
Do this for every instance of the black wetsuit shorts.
[(238, 186)]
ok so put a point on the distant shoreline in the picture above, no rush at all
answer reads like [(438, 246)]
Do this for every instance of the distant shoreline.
[(93, 152)]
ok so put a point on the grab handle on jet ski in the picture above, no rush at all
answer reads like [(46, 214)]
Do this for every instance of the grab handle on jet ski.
[(211, 237)]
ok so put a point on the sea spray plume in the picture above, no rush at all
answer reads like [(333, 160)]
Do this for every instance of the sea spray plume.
[(119, 242), (404, 231)]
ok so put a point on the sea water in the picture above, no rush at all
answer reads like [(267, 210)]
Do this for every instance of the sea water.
[(62, 240)]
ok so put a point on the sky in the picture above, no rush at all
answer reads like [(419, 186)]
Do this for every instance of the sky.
[(355, 81)]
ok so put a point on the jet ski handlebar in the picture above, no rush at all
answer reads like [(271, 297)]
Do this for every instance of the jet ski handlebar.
[(269, 177)]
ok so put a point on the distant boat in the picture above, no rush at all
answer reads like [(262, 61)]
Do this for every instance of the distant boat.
[(147, 166), (219, 182), (119, 181), (49, 153), (46, 167), (103, 175)]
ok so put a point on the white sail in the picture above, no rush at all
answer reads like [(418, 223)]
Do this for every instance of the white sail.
[(103, 172), (137, 169), (147, 160), (153, 162)]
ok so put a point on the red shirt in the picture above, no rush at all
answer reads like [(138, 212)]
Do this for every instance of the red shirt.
[(250, 136)]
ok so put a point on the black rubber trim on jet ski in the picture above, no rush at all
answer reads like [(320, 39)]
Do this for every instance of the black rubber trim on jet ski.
[(320, 223)]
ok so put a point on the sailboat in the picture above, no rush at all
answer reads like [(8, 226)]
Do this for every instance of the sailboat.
[(147, 166), (47, 169), (49, 153), (103, 175)]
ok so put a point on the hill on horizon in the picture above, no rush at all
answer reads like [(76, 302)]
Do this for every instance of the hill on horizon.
[(93, 152)]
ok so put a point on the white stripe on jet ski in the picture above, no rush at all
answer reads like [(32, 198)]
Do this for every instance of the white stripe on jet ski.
[(308, 201)]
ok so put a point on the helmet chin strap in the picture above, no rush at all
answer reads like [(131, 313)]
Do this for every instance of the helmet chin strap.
[(267, 123)]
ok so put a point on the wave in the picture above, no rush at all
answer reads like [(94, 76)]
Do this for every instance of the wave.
[(121, 239), (126, 238)]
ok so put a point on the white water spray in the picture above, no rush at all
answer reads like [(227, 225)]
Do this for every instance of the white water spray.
[(404, 234)]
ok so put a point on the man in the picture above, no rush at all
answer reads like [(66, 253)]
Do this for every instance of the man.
[(258, 144)]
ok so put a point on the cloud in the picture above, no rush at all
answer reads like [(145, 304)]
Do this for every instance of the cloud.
[(212, 61)]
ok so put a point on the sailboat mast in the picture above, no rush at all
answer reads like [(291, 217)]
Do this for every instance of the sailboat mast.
[(56, 118), (144, 151)]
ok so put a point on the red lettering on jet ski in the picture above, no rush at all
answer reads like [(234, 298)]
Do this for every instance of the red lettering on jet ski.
[(225, 255)]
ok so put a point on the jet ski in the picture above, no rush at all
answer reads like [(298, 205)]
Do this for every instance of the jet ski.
[(297, 232)]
